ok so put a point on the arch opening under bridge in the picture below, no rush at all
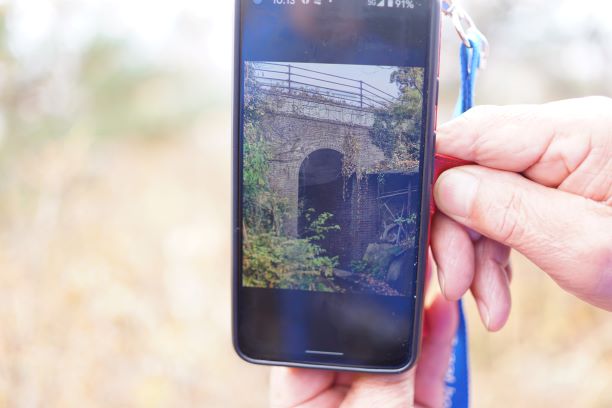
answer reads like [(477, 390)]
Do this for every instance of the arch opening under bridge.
[(322, 191)]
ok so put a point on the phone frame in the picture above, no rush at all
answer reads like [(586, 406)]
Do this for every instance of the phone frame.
[(432, 89)]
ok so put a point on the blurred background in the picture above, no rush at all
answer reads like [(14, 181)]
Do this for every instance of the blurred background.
[(115, 205)]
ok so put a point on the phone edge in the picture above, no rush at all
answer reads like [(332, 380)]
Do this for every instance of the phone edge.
[(428, 173), (428, 167)]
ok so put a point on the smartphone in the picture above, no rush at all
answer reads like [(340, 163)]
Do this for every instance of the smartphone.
[(334, 113)]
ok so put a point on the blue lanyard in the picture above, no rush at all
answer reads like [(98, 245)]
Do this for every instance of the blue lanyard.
[(458, 375)]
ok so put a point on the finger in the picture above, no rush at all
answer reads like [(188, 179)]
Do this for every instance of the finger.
[(485, 269), (441, 320), (454, 253), (491, 287), (566, 235), (392, 391), (509, 272), (432, 291), (546, 142), (428, 272), (292, 387)]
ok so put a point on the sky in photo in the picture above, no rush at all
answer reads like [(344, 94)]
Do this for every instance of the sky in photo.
[(376, 76)]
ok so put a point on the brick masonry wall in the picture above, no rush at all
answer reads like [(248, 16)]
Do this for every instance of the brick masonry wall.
[(293, 139), (365, 222)]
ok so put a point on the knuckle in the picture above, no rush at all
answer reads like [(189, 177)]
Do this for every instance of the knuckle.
[(509, 218), (478, 121), (592, 256)]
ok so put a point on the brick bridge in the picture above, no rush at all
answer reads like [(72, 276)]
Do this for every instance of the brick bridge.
[(314, 123)]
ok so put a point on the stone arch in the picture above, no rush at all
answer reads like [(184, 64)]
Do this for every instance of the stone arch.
[(293, 139)]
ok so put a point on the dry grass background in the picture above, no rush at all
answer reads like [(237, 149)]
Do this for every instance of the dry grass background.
[(114, 253), (115, 278)]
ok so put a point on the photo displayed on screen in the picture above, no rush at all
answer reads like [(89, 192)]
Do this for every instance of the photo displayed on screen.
[(331, 180)]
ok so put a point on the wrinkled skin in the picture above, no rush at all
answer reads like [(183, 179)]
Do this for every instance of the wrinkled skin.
[(542, 185)]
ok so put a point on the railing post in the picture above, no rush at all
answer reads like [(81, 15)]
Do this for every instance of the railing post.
[(289, 78), (361, 94)]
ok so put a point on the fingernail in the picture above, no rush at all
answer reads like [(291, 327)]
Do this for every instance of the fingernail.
[(484, 313), (456, 191)]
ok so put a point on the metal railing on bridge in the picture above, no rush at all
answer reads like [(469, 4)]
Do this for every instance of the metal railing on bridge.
[(294, 81)]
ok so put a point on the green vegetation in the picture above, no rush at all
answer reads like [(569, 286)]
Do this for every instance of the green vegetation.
[(272, 259), (397, 130)]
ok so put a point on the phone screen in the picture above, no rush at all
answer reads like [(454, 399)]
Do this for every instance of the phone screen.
[(334, 104)]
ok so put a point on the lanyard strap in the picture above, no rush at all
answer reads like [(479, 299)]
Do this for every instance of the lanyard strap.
[(458, 376), (470, 64)]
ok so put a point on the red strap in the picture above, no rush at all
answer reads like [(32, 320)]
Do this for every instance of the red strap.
[(441, 164)]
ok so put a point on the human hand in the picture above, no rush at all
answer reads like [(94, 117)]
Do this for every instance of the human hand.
[(423, 386), (542, 185)]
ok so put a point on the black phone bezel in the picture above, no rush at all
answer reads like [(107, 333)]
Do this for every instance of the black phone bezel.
[(432, 74)]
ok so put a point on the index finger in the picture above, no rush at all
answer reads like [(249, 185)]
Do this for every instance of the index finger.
[(545, 142), (290, 387)]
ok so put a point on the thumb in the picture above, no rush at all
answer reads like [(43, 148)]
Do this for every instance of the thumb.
[(566, 235)]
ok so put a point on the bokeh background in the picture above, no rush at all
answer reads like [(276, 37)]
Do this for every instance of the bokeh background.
[(115, 206)]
